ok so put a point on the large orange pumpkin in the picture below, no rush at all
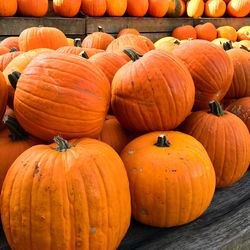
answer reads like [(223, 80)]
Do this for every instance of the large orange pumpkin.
[(137, 8), (116, 7), (206, 31), (94, 7), (3, 95), (11, 42), (7, 58), (158, 8), (195, 8), (3, 50), (169, 174), (226, 139), (72, 195), (128, 31), (148, 96), (73, 91), (176, 8), (42, 37), (238, 8), (211, 69), (70, 50), (66, 8), (36, 8), (215, 8), (8, 7)]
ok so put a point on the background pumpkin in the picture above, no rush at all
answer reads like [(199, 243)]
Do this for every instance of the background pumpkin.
[(4, 50), (158, 8), (243, 33), (94, 7), (66, 8), (3, 95), (227, 32), (11, 42), (116, 7), (215, 8), (238, 8), (36, 8), (168, 45), (7, 58), (128, 31), (137, 8), (206, 31), (8, 8), (176, 8), (184, 32), (195, 8)]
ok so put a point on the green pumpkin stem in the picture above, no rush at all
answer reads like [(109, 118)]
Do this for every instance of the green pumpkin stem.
[(100, 29), (227, 45), (176, 41), (13, 50), (17, 133), (84, 55), (77, 42), (13, 78), (63, 145), (244, 47), (216, 109), (132, 54), (162, 142)]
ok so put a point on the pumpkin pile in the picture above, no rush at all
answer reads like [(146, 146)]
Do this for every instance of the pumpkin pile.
[(101, 129)]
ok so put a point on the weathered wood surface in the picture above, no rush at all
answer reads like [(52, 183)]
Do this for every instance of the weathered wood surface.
[(225, 226)]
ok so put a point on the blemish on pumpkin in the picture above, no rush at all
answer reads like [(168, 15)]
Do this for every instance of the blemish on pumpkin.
[(140, 169), (152, 89), (93, 229), (133, 83), (78, 243), (42, 218), (36, 169), (197, 92), (40, 176), (173, 170), (131, 152), (143, 211), (134, 169), (181, 158), (219, 93)]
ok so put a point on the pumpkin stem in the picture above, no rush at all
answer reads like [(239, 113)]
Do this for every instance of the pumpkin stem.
[(17, 133), (100, 29), (244, 47), (176, 41), (13, 50), (13, 78), (77, 42), (84, 55), (132, 54), (227, 45), (63, 145), (216, 109), (162, 142)]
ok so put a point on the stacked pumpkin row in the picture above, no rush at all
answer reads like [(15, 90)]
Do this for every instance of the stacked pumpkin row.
[(139, 8), (176, 144)]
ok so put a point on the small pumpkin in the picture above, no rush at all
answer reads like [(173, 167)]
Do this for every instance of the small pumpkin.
[(66, 8), (71, 41), (94, 7), (243, 33), (195, 8), (242, 44), (128, 31), (166, 170), (226, 139), (184, 32), (36, 8), (116, 7), (220, 41), (227, 32), (3, 95), (215, 8), (168, 45), (206, 31), (7, 58), (8, 8), (158, 8), (176, 8), (137, 8), (238, 8), (11, 42), (167, 38)]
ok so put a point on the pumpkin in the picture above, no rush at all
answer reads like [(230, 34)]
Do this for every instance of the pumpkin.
[(41, 37), (227, 32), (158, 8), (148, 96), (242, 44), (206, 31), (243, 33), (91, 52), (225, 102), (113, 134), (3, 95), (13, 140), (116, 7), (226, 139), (71, 41), (36, 8), (148, 42), (240, 86), (195, 8), (168, 45), (74, 195), (109, 63), (211, 69), (8, 8), (169, 174), (220, 41), (241, 108), (128, 31), (184, 32), (11, 42), (238, 8), (215, 8), (3, 50), (7, 58), (97, 40), (70, 50), (176, 8), (167, 38), (137, 8), (72, 90), (94, 7), (66, 8)]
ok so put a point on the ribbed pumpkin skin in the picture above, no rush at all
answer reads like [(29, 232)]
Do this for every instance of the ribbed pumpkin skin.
[(116, 7), (94, 7), (211, 69), (109, 63), (36, 8), (7, 58), (8, 8), (238, 8), (3, 95), (215, 8), (227, 32), (195, 8), (148, 96), (77, 50), (240, 86), (42, 37), (73, 91), (206, 31), (243, 33), (66, 8), (176, 8), (158, 8), (137, 8), (11, 42), (128, 31), (4, 50), (169, 186), (226, 140), (241, 108), (74, 199)]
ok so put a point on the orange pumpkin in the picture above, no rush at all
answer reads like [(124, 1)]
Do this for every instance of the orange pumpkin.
[(36, 8), (148, 96), (70, 50), (116, 7), (73, 91), (94, 7), (3, 50), (195, 8), (137, 8), (226, 139), (128, 31), (238, 8), (227, 32), (184, 32), (7, 58), (215, 8), (158, 8), (169, 174), (148, 42), (176, 8), (11, 42), (168, 45), (66, 8), (243, 33), (211, 69), (206, 31), (3, 95), (81, 183), (8, 8)]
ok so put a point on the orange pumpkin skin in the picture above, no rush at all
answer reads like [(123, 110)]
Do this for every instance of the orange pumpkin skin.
[(73, 91), (116, 7), (195, 8), (66, 8), (211, 69), (88, 181), (3, 96), (215, 8), (145, 92), (206, 31), (42, 37), (8, 8), (11, 42), (4, 50), (158, 8), (109, 63), (137, 8), (164, 179), (128, 31), (240, 86), (176, 8), (36, 8), (184, 32), (226, 139), (7, 58), (227, 32), (243, 33), (241, 108), (113, 134), (94, 7), (238, 8)]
